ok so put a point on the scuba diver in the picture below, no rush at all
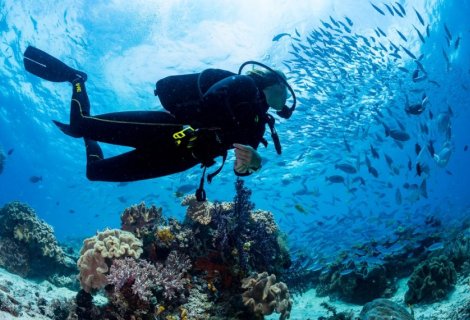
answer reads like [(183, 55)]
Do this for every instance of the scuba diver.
[(207, 114)]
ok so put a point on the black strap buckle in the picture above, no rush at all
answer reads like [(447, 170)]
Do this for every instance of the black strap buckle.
[(274, 135), (200, 192)]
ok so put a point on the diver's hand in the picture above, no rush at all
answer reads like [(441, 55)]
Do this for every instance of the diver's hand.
[(247, 159)]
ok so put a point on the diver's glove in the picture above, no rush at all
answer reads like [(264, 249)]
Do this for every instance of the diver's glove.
[(247, 161)]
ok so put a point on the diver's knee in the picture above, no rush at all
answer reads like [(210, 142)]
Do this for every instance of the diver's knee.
[(91, 174)]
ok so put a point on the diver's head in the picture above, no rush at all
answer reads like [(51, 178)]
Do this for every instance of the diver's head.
[(272, 86)]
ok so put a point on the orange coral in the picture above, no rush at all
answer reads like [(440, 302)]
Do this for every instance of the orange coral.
[(214, 271)]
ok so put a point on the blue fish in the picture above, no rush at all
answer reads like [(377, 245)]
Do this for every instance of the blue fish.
[(335, 179), (449, 35), (402, 36), (420, 18), (419, 35), (377, 9), (346, 272), (436, 246), (408, 52), (389, 9), (281, 35), (399, 135), (397, 11), (401, 8)]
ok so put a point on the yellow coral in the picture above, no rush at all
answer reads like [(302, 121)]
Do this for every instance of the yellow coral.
[(211, 286), (159, 310), (165, 235), (183, 314)]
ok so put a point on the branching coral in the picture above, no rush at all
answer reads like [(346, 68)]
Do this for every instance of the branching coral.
[(172, 275), (263, 295), (143, 277), (107, 244), (139, 274)]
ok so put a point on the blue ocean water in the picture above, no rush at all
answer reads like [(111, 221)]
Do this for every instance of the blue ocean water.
[(348, 96)]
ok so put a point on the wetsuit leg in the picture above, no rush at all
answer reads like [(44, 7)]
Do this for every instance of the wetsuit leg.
[(150, 132), (133, 128), (139, 164)]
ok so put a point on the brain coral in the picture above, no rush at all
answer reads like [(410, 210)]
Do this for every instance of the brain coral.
[(431, 281), (98, 252)]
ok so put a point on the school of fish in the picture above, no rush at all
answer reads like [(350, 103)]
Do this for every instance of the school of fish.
[(373, 129)]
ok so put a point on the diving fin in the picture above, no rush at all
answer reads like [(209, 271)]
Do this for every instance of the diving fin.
[(67, 129), (49, 68)]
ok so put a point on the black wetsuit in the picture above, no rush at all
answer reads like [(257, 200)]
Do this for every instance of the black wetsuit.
[(227, 108)]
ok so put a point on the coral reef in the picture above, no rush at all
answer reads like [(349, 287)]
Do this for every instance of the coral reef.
[(431, 280), (140, 219), (248, 239), (264, 296), (164, 269), (381, 309), (29, 247), (97, 254)]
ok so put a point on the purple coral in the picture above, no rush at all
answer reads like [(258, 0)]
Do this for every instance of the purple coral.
[(171, 276), (140, 273), (143, 277)]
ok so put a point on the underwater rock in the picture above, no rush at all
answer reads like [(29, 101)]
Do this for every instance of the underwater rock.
[(29, 247), (25, 299), (381, 309), (355, 285), (431, 280)]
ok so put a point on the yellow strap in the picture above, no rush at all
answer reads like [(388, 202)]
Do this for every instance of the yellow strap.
[(181, 134)]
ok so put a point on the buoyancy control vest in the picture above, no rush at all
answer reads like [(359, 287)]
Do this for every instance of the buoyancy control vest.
[(218, 98), (182, 95)]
